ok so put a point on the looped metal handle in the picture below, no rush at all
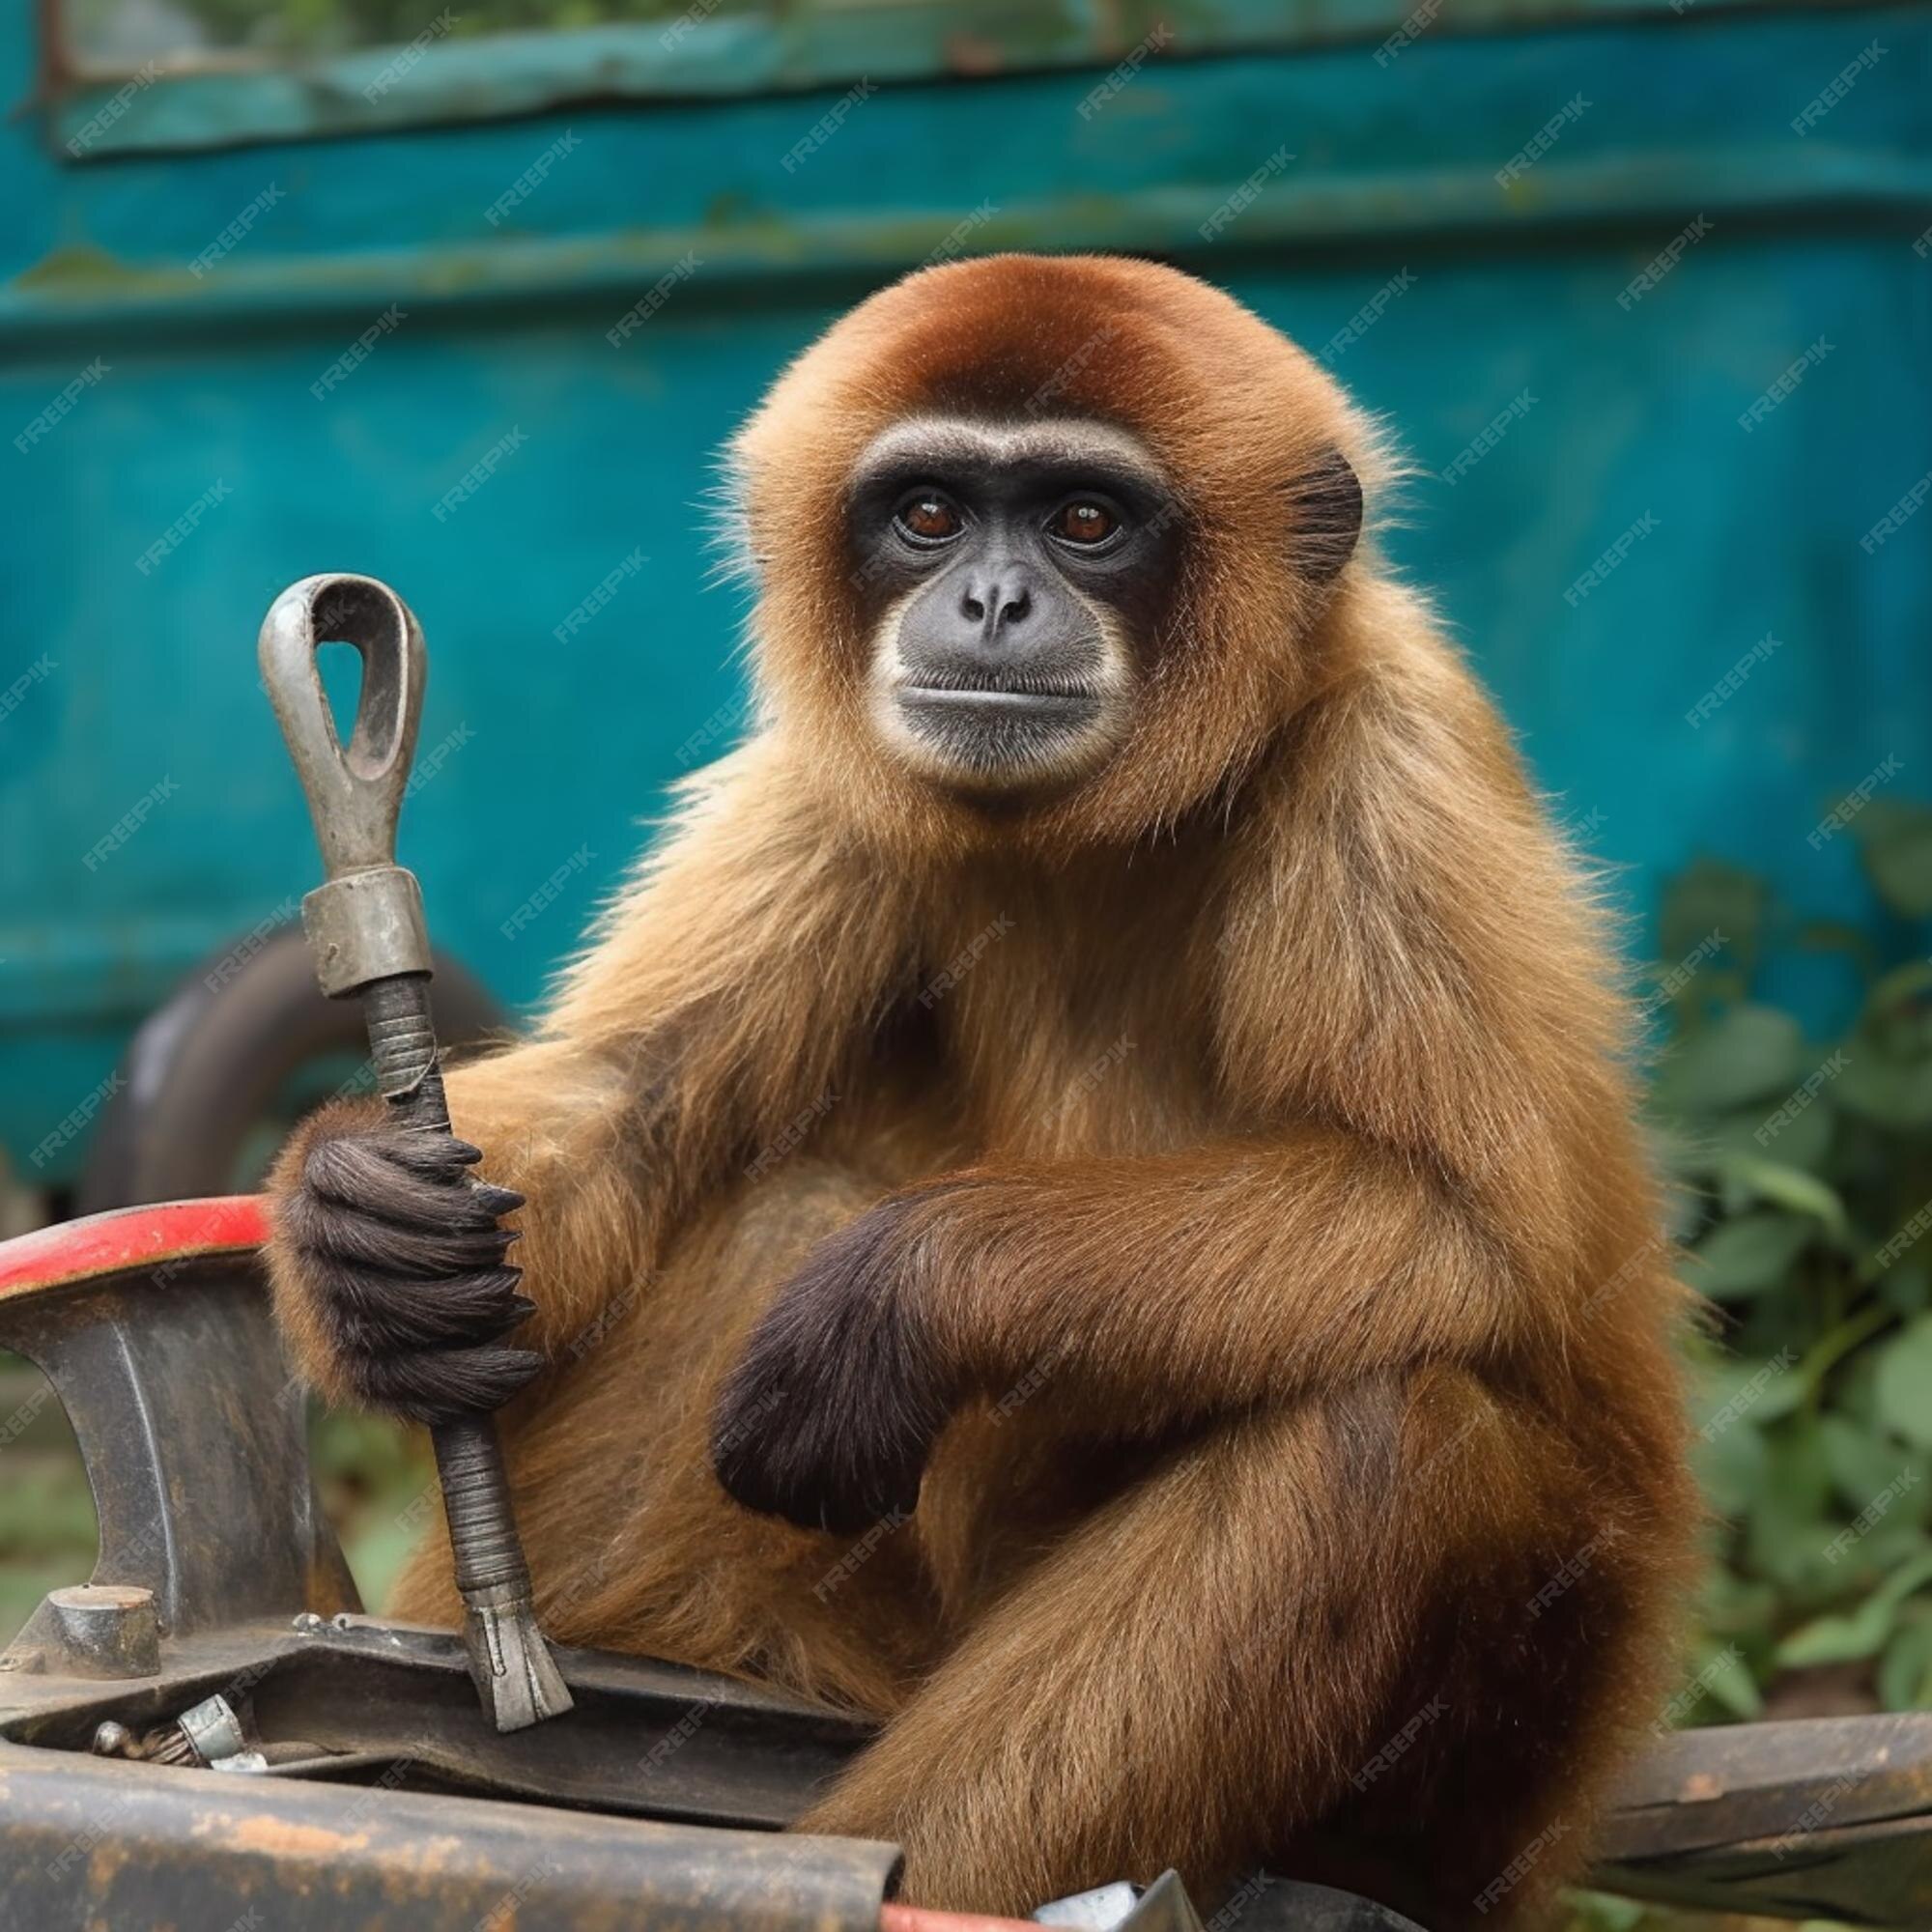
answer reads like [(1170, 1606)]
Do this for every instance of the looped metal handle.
[(365, 921), (355, 796)]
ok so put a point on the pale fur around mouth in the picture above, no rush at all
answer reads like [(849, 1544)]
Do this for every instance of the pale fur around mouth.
[(1005, 728)]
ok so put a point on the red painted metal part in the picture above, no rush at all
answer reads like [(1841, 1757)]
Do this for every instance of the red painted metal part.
[(131, 1239), (918, 1918)]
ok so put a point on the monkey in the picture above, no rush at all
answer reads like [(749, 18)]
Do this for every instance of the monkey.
[(1083, 1202)]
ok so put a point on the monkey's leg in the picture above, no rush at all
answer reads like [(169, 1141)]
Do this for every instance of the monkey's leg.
[(1205, 1674), (1165, 1688)]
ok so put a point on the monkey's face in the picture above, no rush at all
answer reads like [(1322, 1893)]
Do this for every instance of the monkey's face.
[(1013, 576), (984, 620)]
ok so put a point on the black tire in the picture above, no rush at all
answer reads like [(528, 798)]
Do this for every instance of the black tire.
[(212, 1080)]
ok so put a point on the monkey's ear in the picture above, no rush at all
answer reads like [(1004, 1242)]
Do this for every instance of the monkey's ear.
[(1329, 516)]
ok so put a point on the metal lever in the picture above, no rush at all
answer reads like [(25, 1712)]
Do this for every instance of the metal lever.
[(365, 928)]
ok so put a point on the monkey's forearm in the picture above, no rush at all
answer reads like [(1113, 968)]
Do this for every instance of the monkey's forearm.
[(1145, 1291), (1205, 1280)]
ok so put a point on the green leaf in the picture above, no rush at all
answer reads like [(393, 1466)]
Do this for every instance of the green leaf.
[(1728, 1679), (1905, 1670), (1789, 1187), (1895, 838), (1901, 989), (1838, 935), (1779, 1392), (1749, 1054), (1740, 1609), (1603, 1912), (1894, 1094), (1746, 1256), (1861, 1465), (1787, 1532), (1749, 1381), (1730, 1462), (1891, 1541), (1860, 1633), (1907, 1286), (1888, 1075), (1802, 1141), (1709, 896), (1839, 1639), (1905, 1383)]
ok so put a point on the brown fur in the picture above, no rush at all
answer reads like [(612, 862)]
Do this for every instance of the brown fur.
[(1262, 1203)]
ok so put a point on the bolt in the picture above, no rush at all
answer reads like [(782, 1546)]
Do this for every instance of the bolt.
[(108, 1630)]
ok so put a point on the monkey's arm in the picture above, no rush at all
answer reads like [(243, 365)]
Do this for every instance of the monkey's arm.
[(1436, 1159), (727, 989), (1141, 1291), (1205, 1281)]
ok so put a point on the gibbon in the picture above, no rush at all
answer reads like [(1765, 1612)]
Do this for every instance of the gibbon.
[(1085, 1200)]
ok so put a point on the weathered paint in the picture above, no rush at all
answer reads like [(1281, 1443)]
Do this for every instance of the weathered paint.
[(555, 745), (704, 53), (146, 1241)]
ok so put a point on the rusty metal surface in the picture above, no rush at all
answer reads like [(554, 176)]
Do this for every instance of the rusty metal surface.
[(94, 1842), (391, 1704), (395, 1809), (106, 1629), (1822, 1817), (195, 1439)]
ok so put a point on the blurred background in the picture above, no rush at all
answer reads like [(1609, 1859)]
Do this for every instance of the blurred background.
[(469, 299)]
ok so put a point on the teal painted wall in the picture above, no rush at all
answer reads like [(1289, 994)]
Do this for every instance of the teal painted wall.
[(553, 749)]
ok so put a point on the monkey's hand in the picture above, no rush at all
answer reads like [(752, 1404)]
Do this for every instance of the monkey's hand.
[(832, 1411), (387, 1260)]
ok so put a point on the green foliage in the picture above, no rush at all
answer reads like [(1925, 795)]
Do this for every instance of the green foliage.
[(1897, 839), (1805, 1173), (371, 1473)]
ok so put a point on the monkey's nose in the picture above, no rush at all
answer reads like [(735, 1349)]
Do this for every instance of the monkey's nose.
[(995, 603)]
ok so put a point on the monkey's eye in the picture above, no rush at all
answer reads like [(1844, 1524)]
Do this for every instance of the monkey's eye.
[(1083, 522), (927, 517)]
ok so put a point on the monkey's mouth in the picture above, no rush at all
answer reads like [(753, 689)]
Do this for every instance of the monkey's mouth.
[(948, 704), (1001, 728)]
